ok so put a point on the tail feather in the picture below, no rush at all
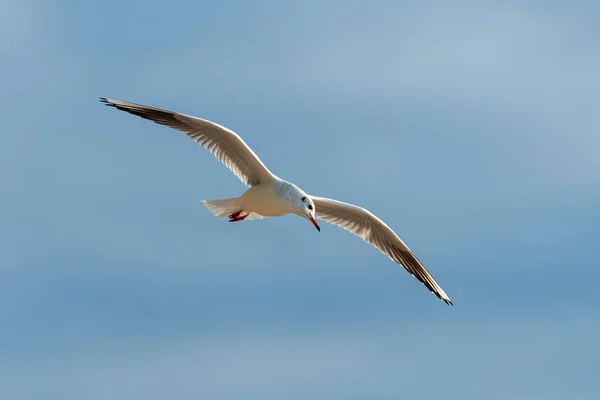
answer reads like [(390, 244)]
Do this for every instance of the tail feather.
[(221, 208)]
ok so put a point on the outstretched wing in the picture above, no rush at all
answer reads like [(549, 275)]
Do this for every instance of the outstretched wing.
[(225, 144), (371, 229)]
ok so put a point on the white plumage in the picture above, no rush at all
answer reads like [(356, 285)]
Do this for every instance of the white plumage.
[(270, 196)]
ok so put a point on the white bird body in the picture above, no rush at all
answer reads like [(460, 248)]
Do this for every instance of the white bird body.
[(270, 196), (270, 200)]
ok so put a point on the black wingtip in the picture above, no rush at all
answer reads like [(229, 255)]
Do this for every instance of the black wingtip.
[(444, 299)]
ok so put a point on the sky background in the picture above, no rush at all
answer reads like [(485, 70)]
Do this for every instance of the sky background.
[(471, 128)]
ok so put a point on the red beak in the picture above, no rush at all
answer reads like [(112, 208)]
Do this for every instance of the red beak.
[(315, 223)]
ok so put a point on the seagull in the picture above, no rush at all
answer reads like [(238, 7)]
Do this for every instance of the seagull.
[(270, 196)]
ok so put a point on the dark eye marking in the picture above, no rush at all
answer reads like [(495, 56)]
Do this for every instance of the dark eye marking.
[(303, 198), (310, 206)]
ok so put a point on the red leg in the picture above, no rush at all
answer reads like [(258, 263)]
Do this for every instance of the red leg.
[(238, 216)]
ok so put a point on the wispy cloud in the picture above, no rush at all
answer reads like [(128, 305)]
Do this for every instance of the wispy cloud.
[(502, 55), (469, 128), (515, 358), (538, 65)]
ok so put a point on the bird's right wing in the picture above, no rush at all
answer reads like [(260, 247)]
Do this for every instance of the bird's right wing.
[(371, 229), (225, 144)]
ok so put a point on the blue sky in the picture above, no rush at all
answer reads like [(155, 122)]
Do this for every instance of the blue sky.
[(470, 128)]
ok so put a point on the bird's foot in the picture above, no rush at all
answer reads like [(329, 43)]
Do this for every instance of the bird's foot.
[(238, 216)]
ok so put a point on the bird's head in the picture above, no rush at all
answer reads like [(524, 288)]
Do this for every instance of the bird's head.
[(305, 207)]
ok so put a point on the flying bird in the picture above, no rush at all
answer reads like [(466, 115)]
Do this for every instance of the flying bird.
[(270, 196)]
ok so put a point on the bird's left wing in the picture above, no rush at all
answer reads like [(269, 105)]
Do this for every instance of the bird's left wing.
[(371, 229), (225, 144)]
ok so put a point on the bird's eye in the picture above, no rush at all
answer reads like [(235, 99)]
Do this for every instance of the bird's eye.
[(310, 206), (303, 198)]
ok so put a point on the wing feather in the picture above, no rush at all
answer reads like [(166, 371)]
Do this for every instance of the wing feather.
[(225, 144), (371, 229)]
